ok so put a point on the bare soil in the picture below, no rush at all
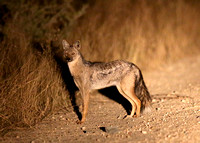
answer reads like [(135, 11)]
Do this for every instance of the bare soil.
[(175, 114)]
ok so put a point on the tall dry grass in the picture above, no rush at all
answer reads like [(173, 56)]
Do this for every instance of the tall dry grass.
[(31, 80), (30, 85), (149, 33)]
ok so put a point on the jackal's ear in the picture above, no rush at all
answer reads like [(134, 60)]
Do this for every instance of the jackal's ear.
[(77, 45), (65, 44)]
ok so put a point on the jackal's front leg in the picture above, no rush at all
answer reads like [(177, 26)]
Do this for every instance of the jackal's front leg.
[(85, 97)]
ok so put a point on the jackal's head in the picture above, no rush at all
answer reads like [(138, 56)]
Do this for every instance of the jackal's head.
[(71, 52)]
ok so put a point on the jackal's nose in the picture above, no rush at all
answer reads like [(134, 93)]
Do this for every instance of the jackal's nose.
[(68, 59)]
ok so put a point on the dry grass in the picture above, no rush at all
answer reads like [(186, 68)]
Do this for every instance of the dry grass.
[(31, 82), (30, 85), (149, 33)]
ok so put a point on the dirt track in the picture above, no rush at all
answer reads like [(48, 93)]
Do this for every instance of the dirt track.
[(175, 115)]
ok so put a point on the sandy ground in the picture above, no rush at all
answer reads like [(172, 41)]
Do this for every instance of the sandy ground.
[(175, 115)]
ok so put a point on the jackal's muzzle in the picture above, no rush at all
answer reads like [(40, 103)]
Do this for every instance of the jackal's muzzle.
[(68, 59)]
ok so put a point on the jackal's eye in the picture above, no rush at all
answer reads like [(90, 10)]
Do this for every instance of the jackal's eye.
[(72, 53)]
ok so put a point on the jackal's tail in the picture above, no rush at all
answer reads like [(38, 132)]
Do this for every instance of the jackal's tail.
[(143, 94)]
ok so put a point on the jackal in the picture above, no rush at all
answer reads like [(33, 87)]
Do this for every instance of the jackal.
[(89, 76)]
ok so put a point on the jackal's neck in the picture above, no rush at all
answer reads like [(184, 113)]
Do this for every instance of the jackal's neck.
[(77, 65)]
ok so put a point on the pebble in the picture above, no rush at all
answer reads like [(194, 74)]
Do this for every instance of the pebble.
[(169, 95), (110, 129), (17, 137), (157, 109), (168, 136), (162, 100), (129, 133), (144, 132), (84, 129), (185, 101), (154, 100), (119, 117), (127, 136)]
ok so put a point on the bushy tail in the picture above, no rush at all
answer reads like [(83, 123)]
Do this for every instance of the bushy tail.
[(143, 94)]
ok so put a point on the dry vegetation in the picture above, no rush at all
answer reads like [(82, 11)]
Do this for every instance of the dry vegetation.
[(148, 33), (31, 83), (30, 86)]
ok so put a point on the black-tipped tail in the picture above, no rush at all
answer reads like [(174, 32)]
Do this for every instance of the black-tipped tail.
[(143, 94)]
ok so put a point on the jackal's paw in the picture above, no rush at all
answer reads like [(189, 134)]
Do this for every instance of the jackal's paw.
[(135, 116), (127, 117), (79, 122)]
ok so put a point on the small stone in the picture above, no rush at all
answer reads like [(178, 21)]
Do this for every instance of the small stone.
[(144, 132), (119, 117), (17, 137), (110, 129), (168, 136), (32, 141), (84, 129), (169, 95), (129, 133), (184, 101), (154, 100), (157, 109)]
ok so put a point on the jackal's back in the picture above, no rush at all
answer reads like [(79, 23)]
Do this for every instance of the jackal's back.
[(109, 74)]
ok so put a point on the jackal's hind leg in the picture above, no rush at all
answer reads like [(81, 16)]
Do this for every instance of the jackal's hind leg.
[(128, 87), (130, 92), (130, 100)]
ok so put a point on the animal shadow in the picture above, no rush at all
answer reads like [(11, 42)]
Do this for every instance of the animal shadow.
[(69, 83), (113, 94)]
